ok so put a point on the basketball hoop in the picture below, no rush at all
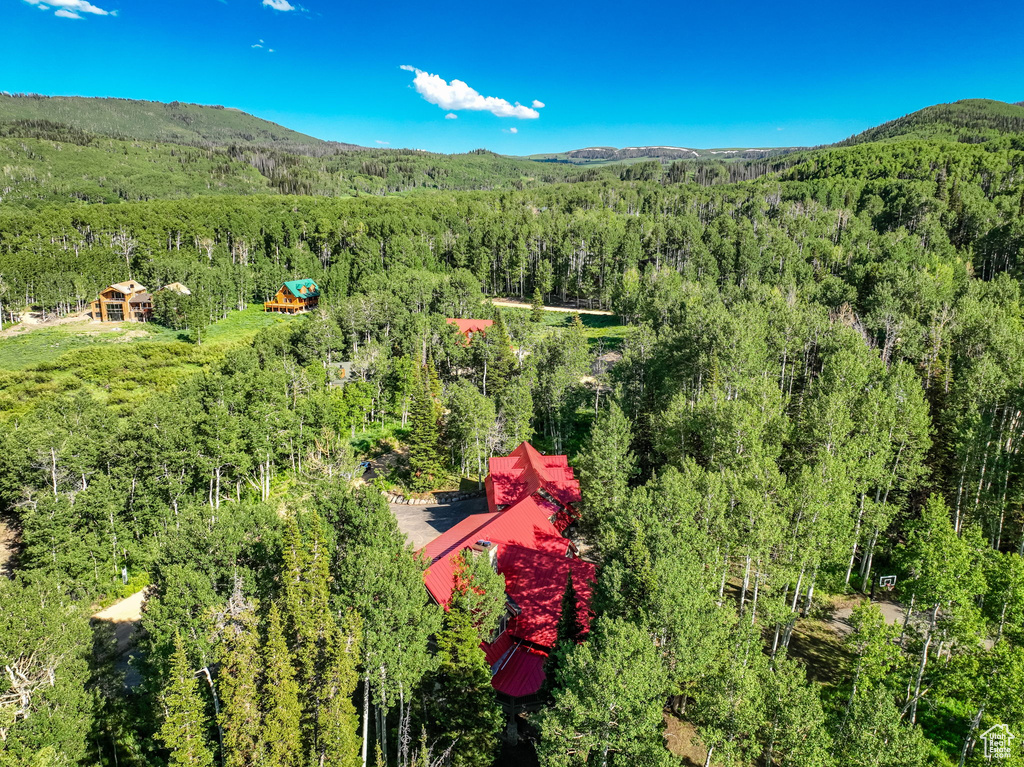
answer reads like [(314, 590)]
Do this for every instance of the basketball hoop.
[(887, 582)]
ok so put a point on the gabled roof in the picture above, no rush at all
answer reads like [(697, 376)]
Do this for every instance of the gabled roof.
[(534, 493), (177, 287), (526, 524), (303, 288), (128, 286), (140, 298), (525, 472), (470, 326)]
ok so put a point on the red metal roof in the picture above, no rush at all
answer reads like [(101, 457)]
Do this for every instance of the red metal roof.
[(470, 326), (525, 472), (536, 583), (496, 651), (530, 497), (525, 524), (442, 551), (521, 674)]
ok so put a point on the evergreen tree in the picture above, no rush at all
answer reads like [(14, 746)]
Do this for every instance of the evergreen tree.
[(571, 629), (502, 361), (424, 437), (605, 468), (337, 742), (537, 306), (571, 632), (279, 699), (461, 705), (480, 592), (185, 730), (238, 683), (377, 576)]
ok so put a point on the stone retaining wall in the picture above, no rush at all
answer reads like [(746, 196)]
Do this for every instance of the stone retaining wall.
[(438, 498)]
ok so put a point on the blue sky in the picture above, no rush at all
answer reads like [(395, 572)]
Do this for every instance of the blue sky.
[(617, 74)]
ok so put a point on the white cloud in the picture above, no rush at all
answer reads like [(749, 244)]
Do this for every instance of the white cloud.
[(255, 45), (451, 116), (279, 5), (513, 130), (382, 143), (538, 104), (458, 95), (70, 9)]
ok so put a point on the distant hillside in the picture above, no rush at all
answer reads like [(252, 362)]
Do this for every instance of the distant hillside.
[(599, 155), (970, 121), (174, 123)]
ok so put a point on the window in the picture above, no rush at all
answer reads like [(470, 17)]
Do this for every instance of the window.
[(115, 312), (500, 629)]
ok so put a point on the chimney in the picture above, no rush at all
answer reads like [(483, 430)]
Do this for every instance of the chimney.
[(489, 548)]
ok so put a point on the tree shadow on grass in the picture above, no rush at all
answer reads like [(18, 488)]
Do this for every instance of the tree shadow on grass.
[(816, 643)]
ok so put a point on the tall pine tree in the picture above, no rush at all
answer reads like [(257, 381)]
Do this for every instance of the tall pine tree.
[(279, 699), (186, 730), (337, 737), (238, 683), (570, 632), (462, 707), (424, 436)]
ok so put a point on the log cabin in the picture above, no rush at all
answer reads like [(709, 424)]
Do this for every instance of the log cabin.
[(294, 297), (129, 301), (122, 301)]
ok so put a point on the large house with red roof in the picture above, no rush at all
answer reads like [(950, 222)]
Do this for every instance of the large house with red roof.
[(531, 501)]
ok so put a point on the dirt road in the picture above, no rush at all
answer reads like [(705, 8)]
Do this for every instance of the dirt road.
[(568, 310), (124, 617)]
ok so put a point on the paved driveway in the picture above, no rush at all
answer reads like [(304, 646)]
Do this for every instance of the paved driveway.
[(422, 524)]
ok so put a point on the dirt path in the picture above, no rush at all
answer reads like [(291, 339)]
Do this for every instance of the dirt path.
[(29, 321), (124, 616), (8, 549), (568, 310)]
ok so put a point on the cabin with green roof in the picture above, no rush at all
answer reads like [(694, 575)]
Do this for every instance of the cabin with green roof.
[(294, 297)]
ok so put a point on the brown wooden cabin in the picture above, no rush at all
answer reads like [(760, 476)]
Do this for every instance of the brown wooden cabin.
[(122, 301), (294, 297)]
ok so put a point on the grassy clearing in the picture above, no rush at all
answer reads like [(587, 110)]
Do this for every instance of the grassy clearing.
[(38, 346), (606, 331), (122, 364)]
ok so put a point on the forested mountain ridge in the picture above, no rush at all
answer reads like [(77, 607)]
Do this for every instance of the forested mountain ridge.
[(597, 155), (172, 123), (47, 163), (969, 121)]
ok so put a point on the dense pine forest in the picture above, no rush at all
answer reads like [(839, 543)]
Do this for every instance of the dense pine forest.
[(809, 377)]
